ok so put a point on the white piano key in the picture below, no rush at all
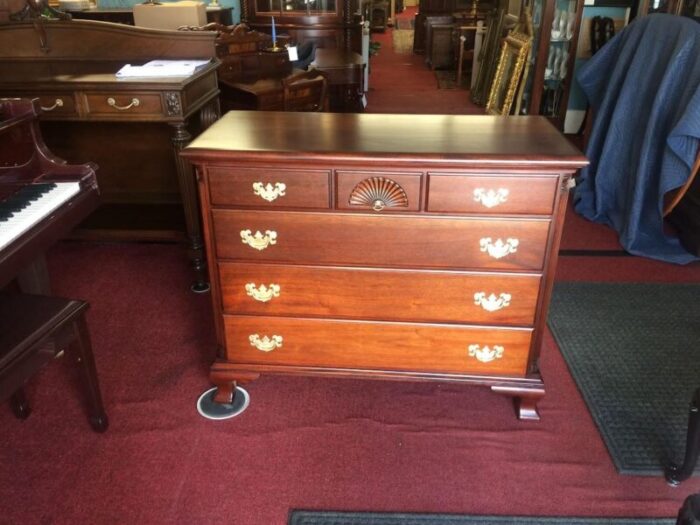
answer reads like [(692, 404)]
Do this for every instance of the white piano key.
[(36, 211)]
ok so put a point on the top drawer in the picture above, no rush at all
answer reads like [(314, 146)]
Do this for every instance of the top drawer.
[(491, 194), (269, 187)]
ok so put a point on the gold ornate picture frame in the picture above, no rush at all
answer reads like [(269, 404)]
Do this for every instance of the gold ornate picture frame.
[(514, 53)]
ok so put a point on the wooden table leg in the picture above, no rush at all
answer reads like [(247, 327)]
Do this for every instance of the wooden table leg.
[(675, 474), (188, 192), (82, 355)]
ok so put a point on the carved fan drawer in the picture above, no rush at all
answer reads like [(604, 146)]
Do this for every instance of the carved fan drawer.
[(379, 192), (373, 240), (491, 194), (322, 343), (269, 187), (124, 104), (396, 295)]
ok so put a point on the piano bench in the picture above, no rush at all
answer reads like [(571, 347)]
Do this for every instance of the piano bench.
[(34, 330)]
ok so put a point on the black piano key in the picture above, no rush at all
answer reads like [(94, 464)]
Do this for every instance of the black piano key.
[(20, 199)]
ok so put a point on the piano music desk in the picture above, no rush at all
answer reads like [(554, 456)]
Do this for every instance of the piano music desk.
[(132, 128)]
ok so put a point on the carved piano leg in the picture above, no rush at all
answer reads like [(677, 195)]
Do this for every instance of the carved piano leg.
[(525, 399), (675, 474), (20, 405), (188, 192)]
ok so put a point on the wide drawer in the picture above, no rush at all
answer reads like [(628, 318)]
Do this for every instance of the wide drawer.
[(269, 187), (392, 295), (378, 346), (124, 104), (497, 194), (373, 240)]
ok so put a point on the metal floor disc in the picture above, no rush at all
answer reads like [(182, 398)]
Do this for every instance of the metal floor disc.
[(210, 409)]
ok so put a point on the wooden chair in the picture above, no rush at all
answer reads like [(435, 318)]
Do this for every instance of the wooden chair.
[(305, 91), (34, 330)]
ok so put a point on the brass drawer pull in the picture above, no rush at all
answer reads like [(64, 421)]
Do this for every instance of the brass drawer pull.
[(113, 103), (492, 303), (265, 344), (486, 354), (262, 293), (259, 241), (58, 103), (491, 198), (499, 249), (269, 192)]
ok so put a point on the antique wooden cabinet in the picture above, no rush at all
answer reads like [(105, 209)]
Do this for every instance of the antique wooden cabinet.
[(418, 247)]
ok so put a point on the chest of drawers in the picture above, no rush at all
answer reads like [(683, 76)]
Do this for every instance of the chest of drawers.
[(412, 247)]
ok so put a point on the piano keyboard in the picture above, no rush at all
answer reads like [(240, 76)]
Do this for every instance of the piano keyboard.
[(29, 205)]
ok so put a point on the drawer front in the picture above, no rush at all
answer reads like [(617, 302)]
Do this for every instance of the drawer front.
[(394, 241), (491, 194), (57, 104), (377, 346), (269, 187), (390, 295), (123, 104), (379, 192)]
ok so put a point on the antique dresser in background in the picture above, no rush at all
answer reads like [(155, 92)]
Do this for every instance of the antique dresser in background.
[(417, 247)]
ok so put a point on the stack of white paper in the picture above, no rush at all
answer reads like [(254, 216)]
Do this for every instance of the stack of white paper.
[(161, 68)]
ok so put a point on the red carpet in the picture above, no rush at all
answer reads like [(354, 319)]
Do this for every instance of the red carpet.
[(405, 84), (303, 443)]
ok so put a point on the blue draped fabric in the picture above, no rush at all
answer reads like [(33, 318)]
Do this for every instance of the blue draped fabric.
[(644, 89)]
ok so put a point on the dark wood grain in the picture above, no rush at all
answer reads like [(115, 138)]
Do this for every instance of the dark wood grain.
[(384, 241), (233, 186), (320, 342), (455, 194), (72, 70), (362, 292), (372, 293), (497, 141)]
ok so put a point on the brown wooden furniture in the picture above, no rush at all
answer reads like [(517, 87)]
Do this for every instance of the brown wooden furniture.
[(343, 71), (305, 91), (554, 54), (133, 128), (416, 247), (328, 23), (219, 15), (34, 330), (25, 162), (439, 49)]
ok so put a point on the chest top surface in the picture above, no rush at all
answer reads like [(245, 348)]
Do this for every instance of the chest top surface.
[(422, 137)]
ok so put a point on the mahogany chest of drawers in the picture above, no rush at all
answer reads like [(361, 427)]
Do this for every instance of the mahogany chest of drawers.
[(416, 247)]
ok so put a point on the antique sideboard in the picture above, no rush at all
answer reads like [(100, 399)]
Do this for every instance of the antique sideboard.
[(132, 128), (417, 247)]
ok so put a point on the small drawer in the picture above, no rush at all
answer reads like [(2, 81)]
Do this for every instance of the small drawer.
[(372, 293), (379, 192), (325, 343), (380, 240), (123, 104), (58, 104), (495, 194), (269, 187)]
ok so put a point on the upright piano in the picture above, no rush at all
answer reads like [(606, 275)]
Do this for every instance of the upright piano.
[(41, 196)]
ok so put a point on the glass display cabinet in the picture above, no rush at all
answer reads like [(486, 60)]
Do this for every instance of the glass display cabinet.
[(326, 23), (549, 73)]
